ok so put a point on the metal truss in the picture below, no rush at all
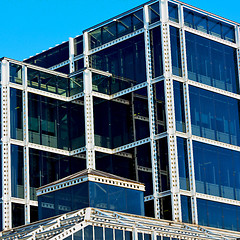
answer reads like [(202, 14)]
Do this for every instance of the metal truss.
[(218, 199), (237, 34), (131, 145), (55, 67), (66, 225), (151, 112), (71, 55), (216, 143), (170, 113), (6, 152), (26, 147), (88, 106)]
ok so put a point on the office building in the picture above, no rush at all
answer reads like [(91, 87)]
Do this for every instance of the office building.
[(150, 95)]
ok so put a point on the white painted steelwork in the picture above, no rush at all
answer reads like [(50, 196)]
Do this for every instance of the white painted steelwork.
[(170, 112), (151, 112), (66, 225)]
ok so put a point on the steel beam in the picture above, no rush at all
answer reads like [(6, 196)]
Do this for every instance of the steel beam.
[(88, 106), (151, 112), (170, 112), (26, 148), (71, 55), (6, 151)]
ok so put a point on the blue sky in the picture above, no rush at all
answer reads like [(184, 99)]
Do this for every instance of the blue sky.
[(31, 26)]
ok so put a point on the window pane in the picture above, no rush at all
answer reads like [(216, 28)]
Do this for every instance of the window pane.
[(175, 51), (179, 106), (16, 114), (186, 209), (219, 120), (212, 63), (183, 163), (15, 73), (17, 178), (17, 215)]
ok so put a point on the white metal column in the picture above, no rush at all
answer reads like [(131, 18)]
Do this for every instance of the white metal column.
[(26, 148), (170, 112), (71, 55), (187, 117), (6, 161), (237, 37), (88, 106), (151, 112)]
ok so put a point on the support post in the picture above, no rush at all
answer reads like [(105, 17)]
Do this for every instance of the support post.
[(71, 55), (6, 160), (26, 148), (170, 112), (88, 106), (151, 113)]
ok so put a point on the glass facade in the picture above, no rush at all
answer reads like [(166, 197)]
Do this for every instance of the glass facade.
[(219, 120), (212, 63), (149, 101), (91, 194)]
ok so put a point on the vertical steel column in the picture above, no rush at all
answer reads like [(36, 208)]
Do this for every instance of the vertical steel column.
[(170, 112), (151, 113), (88, 106), (26, 148), (187, 117), (71, 55), (6, 159), (237, 37)]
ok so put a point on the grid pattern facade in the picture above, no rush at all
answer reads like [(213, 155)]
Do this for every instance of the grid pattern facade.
[(151, 95)]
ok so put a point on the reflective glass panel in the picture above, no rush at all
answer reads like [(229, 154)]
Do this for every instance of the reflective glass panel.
[(209, 25), (55, 123), (76, 84), (16, 114), (216, 170), (162, 153), (159, 104), (214, 116), (114, 127), (17, 178), (154, 14), (219, 215), (183, 163), (116, 29), (119, 165), (51, 57), (17, 215), (175, 51), (47, 167), (15, 73), (156, 52), (47, 82), (186, 209), (78, 45), (126, 62), (212, 63), (173, 12), (179, 106)]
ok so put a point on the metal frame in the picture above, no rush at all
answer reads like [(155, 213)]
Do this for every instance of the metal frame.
[(6, 150), (26, 147), (88, 95), (170, 112), (66, 225), (151, 112), (88, 106)]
